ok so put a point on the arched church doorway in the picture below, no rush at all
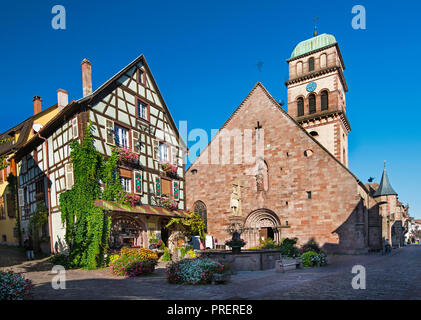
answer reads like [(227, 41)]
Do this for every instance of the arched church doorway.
[(261, 224), (127, 231)]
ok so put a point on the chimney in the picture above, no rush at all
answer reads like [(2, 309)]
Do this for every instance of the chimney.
[(62, 99), (86, 77), (37, 104)]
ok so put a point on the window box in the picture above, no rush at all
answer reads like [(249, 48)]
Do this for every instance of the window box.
[(169, 168), (169, 204), (127, 156)]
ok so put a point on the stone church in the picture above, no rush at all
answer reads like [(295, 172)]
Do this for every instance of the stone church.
[(285, 174)]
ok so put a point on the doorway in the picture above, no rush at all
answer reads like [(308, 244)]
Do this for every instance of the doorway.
[(266, 233)]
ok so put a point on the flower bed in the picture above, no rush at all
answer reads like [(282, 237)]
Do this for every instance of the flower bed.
[(13, 286), (193, 271), (133, 262)]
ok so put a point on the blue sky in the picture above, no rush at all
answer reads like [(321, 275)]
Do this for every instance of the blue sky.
[(204, 57)]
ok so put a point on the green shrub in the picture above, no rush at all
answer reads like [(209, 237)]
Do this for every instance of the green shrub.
[(288, 248), (60, 259), (306, 257), (166, 256), (311, 245)]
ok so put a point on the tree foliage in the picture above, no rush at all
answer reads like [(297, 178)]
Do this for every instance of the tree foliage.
[(192, 225)]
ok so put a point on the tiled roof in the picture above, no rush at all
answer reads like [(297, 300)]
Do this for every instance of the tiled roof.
[(140, 209), (384, 188)]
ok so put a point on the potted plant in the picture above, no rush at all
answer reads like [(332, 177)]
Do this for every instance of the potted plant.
[(133, 199)]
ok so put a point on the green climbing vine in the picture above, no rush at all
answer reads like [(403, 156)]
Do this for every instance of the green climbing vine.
[(87, 226), (113, 190)]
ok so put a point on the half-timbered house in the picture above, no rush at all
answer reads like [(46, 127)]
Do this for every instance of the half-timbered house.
[(127, 112)]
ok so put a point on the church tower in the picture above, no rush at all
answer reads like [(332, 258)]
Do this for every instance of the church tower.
[(316, 93)]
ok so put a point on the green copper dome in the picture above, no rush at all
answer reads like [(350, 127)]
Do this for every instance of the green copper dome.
[(312, 44)]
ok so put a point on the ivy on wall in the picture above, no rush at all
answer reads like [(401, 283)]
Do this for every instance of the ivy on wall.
[(87, 226)]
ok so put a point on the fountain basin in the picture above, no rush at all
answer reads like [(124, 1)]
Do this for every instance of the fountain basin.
[(247, 260)]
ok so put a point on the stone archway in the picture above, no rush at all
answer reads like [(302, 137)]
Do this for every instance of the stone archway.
[(127, 230), (258, 223)]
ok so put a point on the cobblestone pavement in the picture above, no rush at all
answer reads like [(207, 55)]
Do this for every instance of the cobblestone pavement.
[(394, 276)]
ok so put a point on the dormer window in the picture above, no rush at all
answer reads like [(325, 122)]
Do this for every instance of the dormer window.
[(311, 64)]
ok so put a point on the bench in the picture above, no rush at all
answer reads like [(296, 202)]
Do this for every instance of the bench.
[(288, 264)]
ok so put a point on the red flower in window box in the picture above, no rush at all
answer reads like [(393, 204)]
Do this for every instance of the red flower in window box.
[(127, 155), (133, 199), (169, 204), (168, 167)]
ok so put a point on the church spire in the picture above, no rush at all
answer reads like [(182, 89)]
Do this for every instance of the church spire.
[(384, 188)]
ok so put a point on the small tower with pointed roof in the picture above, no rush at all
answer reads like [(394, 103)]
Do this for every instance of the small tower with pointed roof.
[(387, 200)]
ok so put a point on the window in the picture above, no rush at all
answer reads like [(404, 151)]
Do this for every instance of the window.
[(126, 184), (300, 107), (314, 133), (164, 153), (308, 194), (68, 168), (299, 68), (121, 136), (136, 142), (325, 100), (200, 209), (323, 60), (140, 76), (311, 64), (312, 103), (142, 110)]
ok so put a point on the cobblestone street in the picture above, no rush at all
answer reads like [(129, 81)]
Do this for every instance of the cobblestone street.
[(394, 276)]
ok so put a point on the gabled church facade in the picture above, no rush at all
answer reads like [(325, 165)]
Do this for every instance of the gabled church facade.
[(296, 181)]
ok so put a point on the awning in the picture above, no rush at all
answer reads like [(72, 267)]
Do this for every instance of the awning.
[(140, 209)]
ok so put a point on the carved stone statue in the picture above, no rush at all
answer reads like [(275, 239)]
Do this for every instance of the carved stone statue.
[(235, 202), (261, 175)]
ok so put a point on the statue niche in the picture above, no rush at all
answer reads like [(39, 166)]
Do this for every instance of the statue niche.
[(261, 175)]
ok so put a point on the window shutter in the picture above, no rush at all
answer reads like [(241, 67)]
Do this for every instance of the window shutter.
[(69, 176), (176, 190), (166, 187), (136, 141), (109, 132), (10, 205), (75, 128), (155, 149), (158, 186), (138, 182), (21, 197)]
